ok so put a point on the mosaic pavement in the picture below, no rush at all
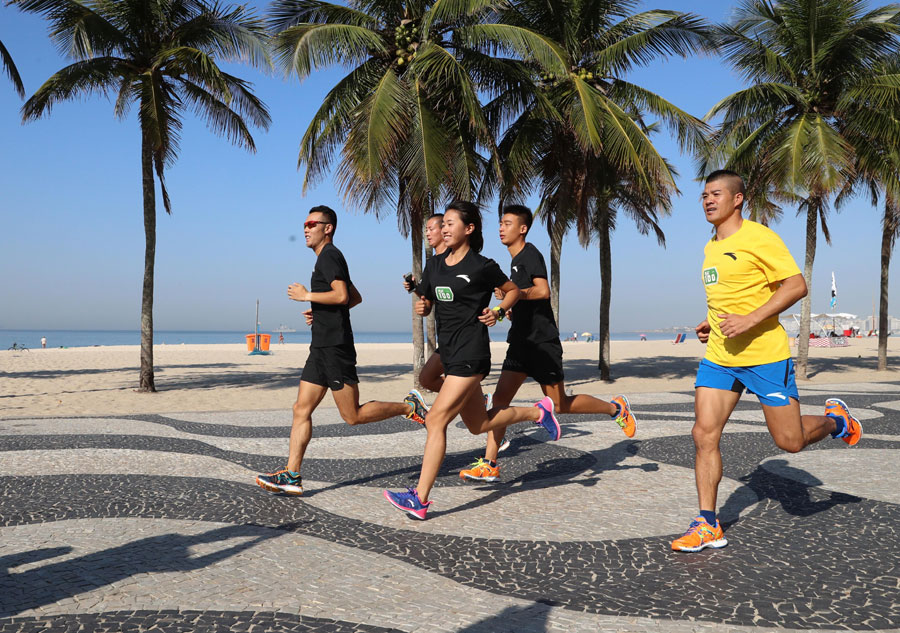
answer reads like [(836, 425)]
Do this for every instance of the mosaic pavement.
[(153, 522)]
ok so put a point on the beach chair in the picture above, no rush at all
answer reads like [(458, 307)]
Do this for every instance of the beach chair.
[(679, 338)]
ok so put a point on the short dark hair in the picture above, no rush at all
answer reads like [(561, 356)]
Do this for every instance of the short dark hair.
[(330, 216), (522, 212), (439, 216), (470, 214), (735, 182)]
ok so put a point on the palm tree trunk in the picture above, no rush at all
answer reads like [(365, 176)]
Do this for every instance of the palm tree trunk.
[(430, 326), (147, 383), (605, 292), (418, 332), (812, 228), (887, 239), (556, 239)]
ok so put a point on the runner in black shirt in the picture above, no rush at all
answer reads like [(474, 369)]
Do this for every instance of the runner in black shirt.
[(431, 375), (459, 284), (331, 363), (534, 346)]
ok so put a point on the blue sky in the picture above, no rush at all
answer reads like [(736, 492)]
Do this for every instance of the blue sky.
[(71, 248)]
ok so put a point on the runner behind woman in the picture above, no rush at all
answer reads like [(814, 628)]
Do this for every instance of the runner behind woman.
[(458, 285), (534, 347)]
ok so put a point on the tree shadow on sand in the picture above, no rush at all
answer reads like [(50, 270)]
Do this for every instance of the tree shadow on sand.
[(551, 473), (795, 489), (50, 583)]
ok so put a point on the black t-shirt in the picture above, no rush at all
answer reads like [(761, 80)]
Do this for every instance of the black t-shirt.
[(532, 321), (331, 323), (460, 293)]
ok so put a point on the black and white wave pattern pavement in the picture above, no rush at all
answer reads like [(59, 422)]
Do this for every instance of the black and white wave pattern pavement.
[(153, 522)]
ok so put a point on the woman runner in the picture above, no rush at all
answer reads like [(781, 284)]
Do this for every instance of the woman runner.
[(458, 284)]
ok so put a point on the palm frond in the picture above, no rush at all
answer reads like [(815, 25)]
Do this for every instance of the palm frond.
[(284, 14), (12, 72), (219, 117), (644, 37), (82, 78), (305, 47), (497, 39), (78, 30)]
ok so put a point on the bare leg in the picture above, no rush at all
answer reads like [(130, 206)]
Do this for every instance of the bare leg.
[(579, 403), (793, 432), (455, 391), (432, 374), (506, 390), (347, 401), (309, 396), (712, 407)]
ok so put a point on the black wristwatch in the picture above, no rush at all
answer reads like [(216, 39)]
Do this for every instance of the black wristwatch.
[(499, 312)]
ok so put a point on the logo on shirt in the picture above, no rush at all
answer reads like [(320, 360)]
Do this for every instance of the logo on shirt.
[(466, 277), (731, 255), (443, 293), (710, 276), (515, 269)]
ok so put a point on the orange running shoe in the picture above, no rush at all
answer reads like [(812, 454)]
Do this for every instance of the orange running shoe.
[(852, 428), (481, 471), (625, 419), (700, 534)]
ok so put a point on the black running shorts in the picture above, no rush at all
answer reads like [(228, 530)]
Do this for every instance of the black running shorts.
[(541, 361), (331, 367), (466, 368)]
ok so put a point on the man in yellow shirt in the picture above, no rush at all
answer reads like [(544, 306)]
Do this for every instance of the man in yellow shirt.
[(750, 278)]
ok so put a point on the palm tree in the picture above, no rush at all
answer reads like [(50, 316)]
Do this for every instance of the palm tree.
[(406, 119), (161, 56), (797, 125), (577, 135), (11, 70)]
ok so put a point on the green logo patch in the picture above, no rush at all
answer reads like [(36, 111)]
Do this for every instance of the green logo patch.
[(710, 276), (443, 293)]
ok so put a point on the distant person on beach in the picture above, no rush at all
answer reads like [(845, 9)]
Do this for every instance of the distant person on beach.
[(534, 347), (331, 363), (43, 342), (750, 278), (281, 337), (458, 285)]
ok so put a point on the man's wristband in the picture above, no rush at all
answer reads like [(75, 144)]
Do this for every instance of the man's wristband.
[(499, 312)]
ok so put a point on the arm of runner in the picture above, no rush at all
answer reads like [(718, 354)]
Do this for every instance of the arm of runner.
[(540, 290), (702, 331), (422, 306), (338, 295), (789, 292), (511, 294), (355, 297)]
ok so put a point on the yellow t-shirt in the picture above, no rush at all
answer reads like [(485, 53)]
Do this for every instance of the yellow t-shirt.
[(740, 274)]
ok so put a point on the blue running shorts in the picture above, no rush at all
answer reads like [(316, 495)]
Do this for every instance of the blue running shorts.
[(772, 383)]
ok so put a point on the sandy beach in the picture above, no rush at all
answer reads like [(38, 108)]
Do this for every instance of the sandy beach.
[(102, 380)]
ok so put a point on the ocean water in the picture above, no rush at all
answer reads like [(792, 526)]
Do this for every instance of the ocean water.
[(94, 338)]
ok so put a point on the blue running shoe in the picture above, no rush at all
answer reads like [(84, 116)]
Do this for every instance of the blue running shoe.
[(408, 502), (504, 444), (418, 410), (548, 420), (281, 481)]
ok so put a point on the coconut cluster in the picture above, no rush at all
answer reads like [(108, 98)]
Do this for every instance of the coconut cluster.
[(405, 42), (549, 80)]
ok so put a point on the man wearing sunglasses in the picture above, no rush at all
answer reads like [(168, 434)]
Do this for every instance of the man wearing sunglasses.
[(331, 363)]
